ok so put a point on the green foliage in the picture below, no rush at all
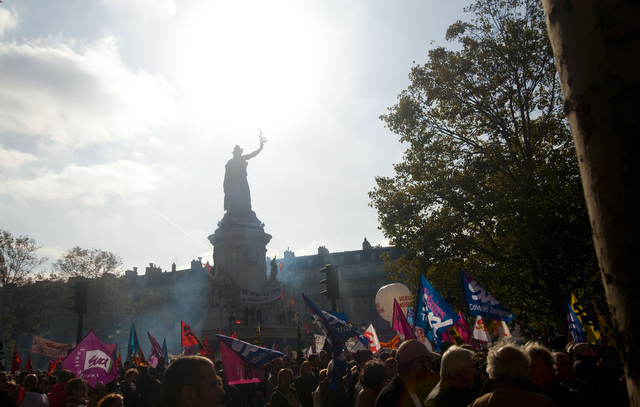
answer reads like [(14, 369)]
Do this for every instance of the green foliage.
[(490, 181), (94, 263)]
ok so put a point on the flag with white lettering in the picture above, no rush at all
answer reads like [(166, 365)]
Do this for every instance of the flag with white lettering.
[(92, 361), (255, 356), (575, 326), (480, 302), (433, 315), (236, 370)]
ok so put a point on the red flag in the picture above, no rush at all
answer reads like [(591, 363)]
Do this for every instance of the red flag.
[(233, 335), (292, 303), (53, 365), (275, 347), (306, 328), (119, 361), (280, 266), (27, 365), (205, 349), (140, 358), (188, 338), (16, 362)]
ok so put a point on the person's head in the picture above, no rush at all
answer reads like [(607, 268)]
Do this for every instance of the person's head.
[(324, 358), (507, 362), (4, 380), (285, 376), (218, 365), (392, 367), (237, 151), (111, 400), (12, 387), (457, 367), (191, 381), (130, 375), (583, 350), (314, 360), (362, 356), (77, 388), (306, 369), (374, 374), (542, 365), (414, 361), (276, 365), (143, 370), (161, 362), (286, 361), (565, 372), (383, 356), (29, 382), (295, 367)]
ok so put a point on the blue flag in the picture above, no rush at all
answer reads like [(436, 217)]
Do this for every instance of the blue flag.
[(250, 353), (165, 352), (134, 344), (434, 314), (480, 302), (575, 326), (334, 329)]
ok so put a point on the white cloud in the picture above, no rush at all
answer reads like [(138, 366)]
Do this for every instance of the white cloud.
[(11, 159), (8, 20), (91, 186), (76, 98), (160, 8)]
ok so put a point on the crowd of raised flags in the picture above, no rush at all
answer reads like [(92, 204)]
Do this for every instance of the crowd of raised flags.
[(433, 322)]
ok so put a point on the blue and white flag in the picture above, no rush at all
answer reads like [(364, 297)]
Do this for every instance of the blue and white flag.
[(334, 329), (480, 302), (434, 315), (250, 353), (575, 326)]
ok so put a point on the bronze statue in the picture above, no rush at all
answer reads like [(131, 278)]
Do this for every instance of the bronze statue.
[(237, 198)]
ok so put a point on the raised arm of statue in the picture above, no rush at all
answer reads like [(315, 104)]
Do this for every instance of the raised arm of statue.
[(255, 153)]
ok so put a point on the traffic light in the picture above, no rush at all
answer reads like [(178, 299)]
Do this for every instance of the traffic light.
[(333, 289), (80, 297)]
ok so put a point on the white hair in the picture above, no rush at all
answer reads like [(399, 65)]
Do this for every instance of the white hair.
[(454, 361), (507, 362)]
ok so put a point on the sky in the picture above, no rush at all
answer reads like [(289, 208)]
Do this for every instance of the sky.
[(118, 116)]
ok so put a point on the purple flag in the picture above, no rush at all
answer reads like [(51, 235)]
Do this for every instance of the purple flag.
[(92, 361), (400, 323), (156, 349)]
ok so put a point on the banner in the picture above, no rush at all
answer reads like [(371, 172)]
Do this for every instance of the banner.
[(575, 326), (480, 302), (92, 361), (237, 371), (50, 349), (374, 341), (255, 298), (434, 315), (187, 337), (587, 324), (252, 354), (400, 323)]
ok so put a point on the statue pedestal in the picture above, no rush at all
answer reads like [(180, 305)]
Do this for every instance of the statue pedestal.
[(240, 250)]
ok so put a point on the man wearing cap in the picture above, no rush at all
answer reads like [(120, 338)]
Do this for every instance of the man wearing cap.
[(414, 365)]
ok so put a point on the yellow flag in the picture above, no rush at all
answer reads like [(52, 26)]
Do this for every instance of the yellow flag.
[(587, 324), (604, 327), (257, 338)]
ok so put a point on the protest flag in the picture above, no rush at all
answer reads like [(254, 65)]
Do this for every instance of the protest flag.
[(255, 356), (374, 341), (16, 362), (134, 344), (463, 328), (393, 344), (119, 361), (27, 366), (400, 323), (91, 360), (480, 302), (233, 335), (50, 367), (187, 337), (292, 303), (605, 328), (299, 343), (257, 338), (481, 331), (53, 365), (587, 324), (434, 315), (575, 326), (165, 352), (332, 329), (236, 369), (205, 350)]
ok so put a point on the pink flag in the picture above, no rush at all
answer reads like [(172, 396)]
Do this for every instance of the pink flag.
[(462, 328), (235, 370), (400, 323), (92, 361), (156, 349)]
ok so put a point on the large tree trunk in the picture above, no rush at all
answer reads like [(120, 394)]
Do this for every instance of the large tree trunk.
[(597, 50)]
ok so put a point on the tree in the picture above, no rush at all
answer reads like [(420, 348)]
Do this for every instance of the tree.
[(18, 260), (596, 47), (94, 263), (489, 181)]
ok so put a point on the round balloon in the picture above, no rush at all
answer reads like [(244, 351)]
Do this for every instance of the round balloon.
[(385, 297)]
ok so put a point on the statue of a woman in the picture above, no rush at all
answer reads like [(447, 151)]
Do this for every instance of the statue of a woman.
[(237, 198)]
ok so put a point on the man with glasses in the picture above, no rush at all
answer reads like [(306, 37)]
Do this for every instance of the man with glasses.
[(414, 365)]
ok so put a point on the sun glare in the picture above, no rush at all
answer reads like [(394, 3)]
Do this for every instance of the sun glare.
[(257, 59)]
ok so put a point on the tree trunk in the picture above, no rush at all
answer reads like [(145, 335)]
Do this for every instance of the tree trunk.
[(597, 49)]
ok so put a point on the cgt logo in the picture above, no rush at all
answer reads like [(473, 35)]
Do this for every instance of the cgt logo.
[(97, 358)]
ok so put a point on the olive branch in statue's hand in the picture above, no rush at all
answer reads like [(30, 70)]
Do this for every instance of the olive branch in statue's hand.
[(262, 139)]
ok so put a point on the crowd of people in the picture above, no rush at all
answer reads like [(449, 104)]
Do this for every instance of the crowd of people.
[(410, 376)]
